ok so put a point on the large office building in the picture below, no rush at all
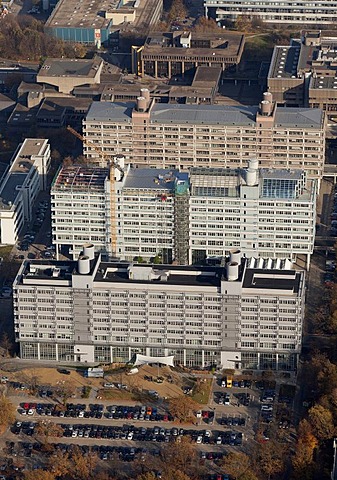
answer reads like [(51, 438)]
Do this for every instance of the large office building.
[(304, 74), (180, 53), (247, 314), (288, 12), (19, 187), (184, 217), (185, 136)]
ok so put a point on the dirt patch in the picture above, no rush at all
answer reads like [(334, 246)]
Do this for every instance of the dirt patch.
[(170, 386), (51, 377)]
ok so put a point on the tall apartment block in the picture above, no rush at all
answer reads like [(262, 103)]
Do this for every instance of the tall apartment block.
[(301, 12), (247, 314), (20, 185), (184, 136), (305, 73), (184, 217)]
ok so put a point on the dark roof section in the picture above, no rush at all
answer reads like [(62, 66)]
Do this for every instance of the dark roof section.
[(288, 280)]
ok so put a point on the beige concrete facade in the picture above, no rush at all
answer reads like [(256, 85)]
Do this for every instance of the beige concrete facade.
[(184, 136)]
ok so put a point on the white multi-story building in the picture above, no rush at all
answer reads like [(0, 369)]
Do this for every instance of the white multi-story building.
[(246, 315), (186, 217), (20, 186), (133, 216), (266, 213), (184, 136), (301, 12)]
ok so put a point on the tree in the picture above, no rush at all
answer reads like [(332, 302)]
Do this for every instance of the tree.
[(6, 344), (268, 458), (236, 464), (65, 390), (182, 455), (59, 464), (82, 467), (147, 476), (177, 10), (31, 379), (183, 408), (38, 474), (321, 422), (46, 429), (206, 25), (7, 412)]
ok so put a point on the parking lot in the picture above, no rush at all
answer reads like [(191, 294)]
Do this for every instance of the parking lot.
[(257, 411)]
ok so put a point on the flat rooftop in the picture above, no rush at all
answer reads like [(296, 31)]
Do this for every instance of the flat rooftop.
[(206, 76), (81, 14), (80, 178), (182, 114), (284, 62), (286, 280), (321, 82), (151, 179), (19, 170), (70, 67), (168, 43)]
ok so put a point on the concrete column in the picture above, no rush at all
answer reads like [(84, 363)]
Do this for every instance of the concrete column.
[(129, 353), (147, 351), (169, 68), (202, 358), (155, 68), (111, 354), (277, 362), (182, 67), (184, 358), (258, 361), (38, 351), (57, 352)]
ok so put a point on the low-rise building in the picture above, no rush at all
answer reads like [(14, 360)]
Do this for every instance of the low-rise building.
[(67, 73), (20, 186), (180, 53), (248, 314), (304, 74), (184, 217)]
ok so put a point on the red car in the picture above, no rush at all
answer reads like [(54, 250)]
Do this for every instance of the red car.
[(205, 414)]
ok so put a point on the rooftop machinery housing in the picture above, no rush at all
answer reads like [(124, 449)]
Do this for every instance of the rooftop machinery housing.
[(247, 314), (184, 217), (184, 136)]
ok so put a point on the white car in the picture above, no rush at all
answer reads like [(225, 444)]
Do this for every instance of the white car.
[(81, 414), (130, 435), (199, 439), (199, 414), (266, 408), (30, 411), (208, 433)]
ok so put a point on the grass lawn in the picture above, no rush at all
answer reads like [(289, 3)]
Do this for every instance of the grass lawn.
[(201, 391)]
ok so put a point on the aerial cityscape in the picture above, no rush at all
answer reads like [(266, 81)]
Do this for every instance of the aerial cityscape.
[(168, 240)]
